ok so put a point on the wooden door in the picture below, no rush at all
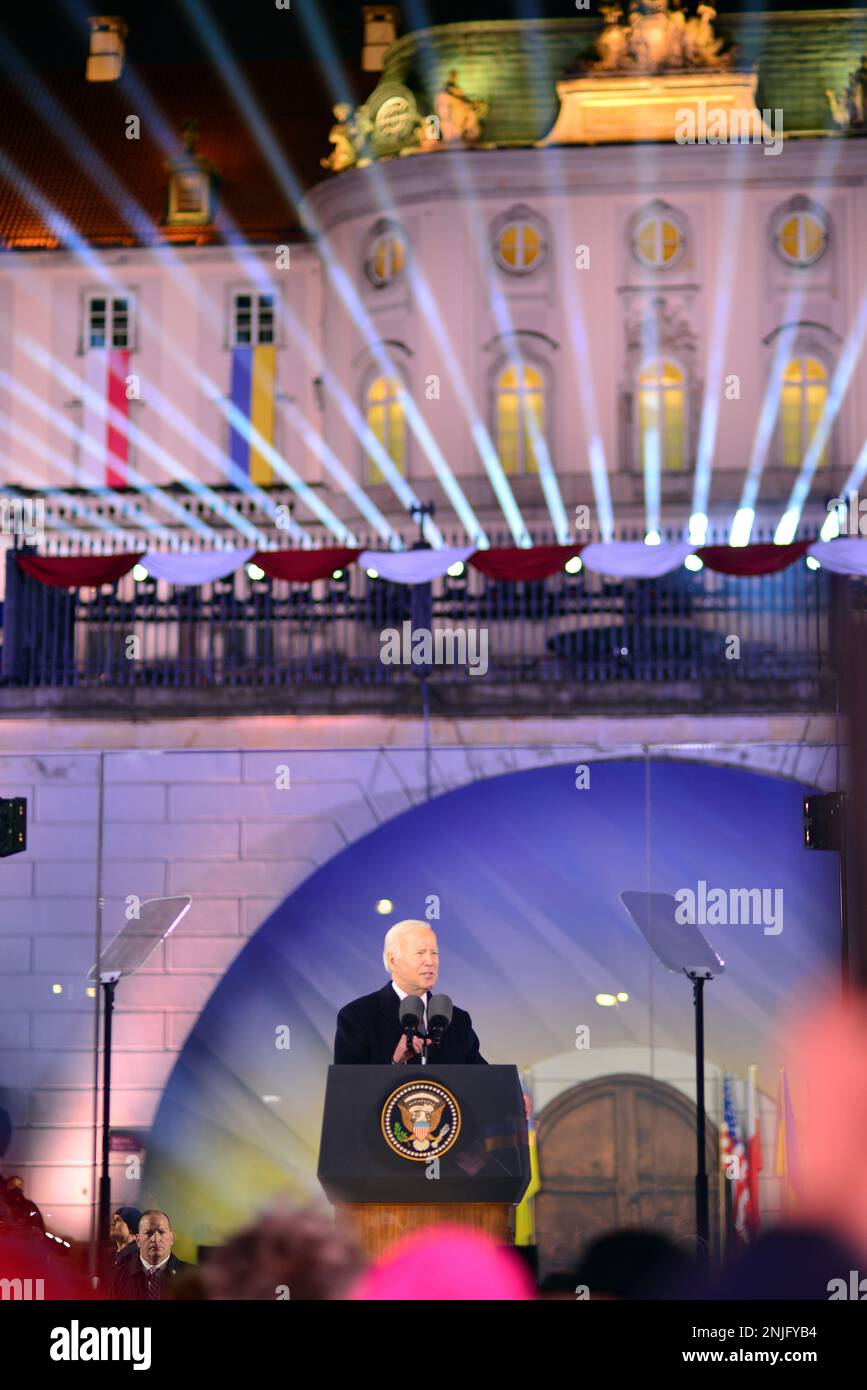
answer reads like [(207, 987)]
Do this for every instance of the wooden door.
[(618, 1152)]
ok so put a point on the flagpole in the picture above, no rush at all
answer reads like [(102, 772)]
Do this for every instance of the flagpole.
[(722, 1184)]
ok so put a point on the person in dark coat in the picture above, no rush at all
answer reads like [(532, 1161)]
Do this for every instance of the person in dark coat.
[(368, 1029), (122, 1243), (147, 1274), (23, 1209), (124, 1229)]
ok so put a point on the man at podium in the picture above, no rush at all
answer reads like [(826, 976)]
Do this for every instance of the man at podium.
[(368, 1029)]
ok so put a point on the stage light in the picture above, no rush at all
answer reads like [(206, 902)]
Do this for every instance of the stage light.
[(57, 989), (831, 526), (698, 528), (574, 565), (787, 526), (255, 572), (456, 570), (622, 997), (742, 526), (607, 1001), (384, 906), (653, 538), (813, 563), (337, 574), (694, 563), (90, 992), (372, 574), (139, 573)]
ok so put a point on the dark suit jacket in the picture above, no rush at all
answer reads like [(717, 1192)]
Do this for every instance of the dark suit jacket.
[(127, 1280), (368, 1030)]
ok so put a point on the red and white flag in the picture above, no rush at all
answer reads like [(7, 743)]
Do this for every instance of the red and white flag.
[(106, 413), (754, 1152)]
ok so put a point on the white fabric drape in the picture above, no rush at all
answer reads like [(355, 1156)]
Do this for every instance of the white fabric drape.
[(634, 559), (414, 566), (843, 556), (197, 567)]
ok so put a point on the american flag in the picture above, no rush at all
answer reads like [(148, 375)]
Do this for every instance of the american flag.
[(732, 1145)]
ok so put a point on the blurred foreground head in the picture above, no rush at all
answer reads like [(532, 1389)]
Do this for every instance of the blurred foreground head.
[(445, 1262), (628, 1264), (285, 1254), (34, 1269), (826, 1049)]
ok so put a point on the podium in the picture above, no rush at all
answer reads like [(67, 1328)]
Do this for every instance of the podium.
[(412, 1146)]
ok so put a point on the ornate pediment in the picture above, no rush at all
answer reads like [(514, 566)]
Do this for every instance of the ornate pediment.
[(389, 123), (660, 327)]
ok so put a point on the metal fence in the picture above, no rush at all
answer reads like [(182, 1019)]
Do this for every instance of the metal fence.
[(352, 630)]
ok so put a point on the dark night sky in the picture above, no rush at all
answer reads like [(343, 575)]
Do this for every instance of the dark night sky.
[(54, 33)]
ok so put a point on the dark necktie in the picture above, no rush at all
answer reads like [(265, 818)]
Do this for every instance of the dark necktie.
[(153, 1288)]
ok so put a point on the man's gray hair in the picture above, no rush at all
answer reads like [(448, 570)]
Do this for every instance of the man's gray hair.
[(394, 933)]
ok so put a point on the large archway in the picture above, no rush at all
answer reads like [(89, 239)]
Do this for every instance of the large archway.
[(521, 875)]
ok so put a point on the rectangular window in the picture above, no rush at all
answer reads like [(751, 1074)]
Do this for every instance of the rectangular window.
[(253, 319), (108, 321)]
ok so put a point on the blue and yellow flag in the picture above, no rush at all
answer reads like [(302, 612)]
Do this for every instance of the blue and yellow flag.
[(253, 374), (525, 1222)]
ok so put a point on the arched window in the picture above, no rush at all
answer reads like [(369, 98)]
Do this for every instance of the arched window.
[(519, 240), (802, 403), (520, 417), (386, 419), (662, 415), (386, 256), (519, 247), (802, 235), (658, 240)]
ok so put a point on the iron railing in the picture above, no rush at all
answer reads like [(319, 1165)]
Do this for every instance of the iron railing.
[(572, 628)]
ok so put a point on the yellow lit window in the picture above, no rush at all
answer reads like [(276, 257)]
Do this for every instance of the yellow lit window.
[(662, 416), (386, 259), (802, 404), (520, 418), (802, 238), (386, 420), (658, 241), (519, 246)]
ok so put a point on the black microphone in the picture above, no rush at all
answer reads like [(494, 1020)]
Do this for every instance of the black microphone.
[(411, 1015), (439, 1016)]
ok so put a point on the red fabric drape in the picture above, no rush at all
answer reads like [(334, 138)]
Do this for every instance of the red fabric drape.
[(751, 560), (77, 571), (511, 562), (303, 566)]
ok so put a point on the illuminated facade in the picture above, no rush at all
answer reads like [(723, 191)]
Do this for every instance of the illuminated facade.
[(510, 322)]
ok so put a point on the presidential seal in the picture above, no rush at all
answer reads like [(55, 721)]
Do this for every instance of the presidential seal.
[(419, 1121)]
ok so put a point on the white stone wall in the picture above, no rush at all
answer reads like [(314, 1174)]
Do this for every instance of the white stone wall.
[(180, 351), (729, 291), (192, 807)]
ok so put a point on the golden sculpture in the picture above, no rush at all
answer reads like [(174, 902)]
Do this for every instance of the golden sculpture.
[(349, 139), (658, 37), (850, 111), (459, 116)]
